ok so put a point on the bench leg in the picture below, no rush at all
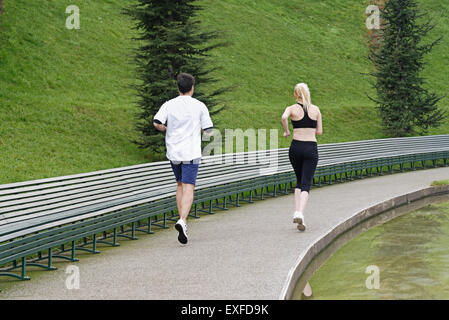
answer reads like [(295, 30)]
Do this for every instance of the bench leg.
[(223, 207), (141, 229), (63, 250), (123, 231), (242, 198), (164, 225), (86, 243), (114, 242), (257, 196), (271, 194), (49, 257), (203, 209), (115, 236), (22, 275), (173, 217), (275, 191), (235, 202), (195, 212), (285, 191)]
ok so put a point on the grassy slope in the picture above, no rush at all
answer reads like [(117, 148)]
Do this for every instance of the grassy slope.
[(319, 42), (64, 103)]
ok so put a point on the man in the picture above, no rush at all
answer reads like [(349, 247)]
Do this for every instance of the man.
[(184, 117)]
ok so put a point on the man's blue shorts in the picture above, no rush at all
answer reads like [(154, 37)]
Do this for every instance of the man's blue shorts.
[(185, 171)]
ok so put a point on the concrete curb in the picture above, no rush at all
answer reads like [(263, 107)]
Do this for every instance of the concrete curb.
[(315, 248)]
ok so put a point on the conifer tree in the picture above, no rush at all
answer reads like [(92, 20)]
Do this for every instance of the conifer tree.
[(171, 41), (404, 105)]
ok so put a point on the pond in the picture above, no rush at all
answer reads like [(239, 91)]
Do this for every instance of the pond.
[(406, 256)]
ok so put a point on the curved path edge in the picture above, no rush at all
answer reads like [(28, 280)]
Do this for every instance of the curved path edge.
[(315, 248)]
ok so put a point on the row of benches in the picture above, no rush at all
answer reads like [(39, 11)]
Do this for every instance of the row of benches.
[(54, 218)]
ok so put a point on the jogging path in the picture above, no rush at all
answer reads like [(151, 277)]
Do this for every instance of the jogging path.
[(243, 253)]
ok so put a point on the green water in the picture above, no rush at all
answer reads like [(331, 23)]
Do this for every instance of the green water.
[(411, 252)]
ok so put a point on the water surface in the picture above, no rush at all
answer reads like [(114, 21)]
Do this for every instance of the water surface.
[(411, 252)]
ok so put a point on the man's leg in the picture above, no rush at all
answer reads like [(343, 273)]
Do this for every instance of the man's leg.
[(186, 200), (177, 171), (188, 179), (182, 201), (179, 195)]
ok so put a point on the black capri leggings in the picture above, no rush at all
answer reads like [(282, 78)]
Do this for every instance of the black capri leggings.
[(304, 159)]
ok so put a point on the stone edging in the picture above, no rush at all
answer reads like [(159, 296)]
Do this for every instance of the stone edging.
[(315, 248)]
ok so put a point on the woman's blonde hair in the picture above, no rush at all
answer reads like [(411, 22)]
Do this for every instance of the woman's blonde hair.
[(302, 91)]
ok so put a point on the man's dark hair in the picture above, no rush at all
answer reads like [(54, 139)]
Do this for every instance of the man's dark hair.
[(185, 82)]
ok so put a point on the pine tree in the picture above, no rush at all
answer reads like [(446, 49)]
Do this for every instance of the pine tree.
[(404, 105), (171, 41)]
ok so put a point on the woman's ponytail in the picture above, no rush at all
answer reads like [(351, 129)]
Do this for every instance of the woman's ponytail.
[(302, 90)]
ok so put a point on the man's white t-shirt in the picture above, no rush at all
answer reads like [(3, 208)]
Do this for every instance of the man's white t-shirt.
[(184, 117)]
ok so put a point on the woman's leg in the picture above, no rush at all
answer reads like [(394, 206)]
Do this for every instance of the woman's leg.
[(297, 200), (302, 197), (308, 170), (296, 162)]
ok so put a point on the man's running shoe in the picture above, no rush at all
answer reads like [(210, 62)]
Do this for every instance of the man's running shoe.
[(182, 229)]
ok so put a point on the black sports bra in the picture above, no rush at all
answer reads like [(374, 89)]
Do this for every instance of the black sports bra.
[(305, 122)]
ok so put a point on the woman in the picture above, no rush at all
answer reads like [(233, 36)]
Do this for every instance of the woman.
[(303, 153)]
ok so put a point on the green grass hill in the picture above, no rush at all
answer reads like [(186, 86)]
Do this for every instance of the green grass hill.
[(65, 100)]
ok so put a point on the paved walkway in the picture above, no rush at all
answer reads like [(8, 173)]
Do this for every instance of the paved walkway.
[(244, 253)]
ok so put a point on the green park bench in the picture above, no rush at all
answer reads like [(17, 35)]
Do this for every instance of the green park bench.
[(54, 218)]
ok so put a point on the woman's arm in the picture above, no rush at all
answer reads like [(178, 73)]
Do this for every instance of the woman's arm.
[(285, 117), (319, 124)]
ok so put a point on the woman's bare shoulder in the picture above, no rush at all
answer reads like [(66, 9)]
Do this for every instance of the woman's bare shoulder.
[(316, 108), (290, 108)]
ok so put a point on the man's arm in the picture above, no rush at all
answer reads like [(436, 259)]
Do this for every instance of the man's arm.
[(160, 118), (159, 126), (208, 131), (206, 122)]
